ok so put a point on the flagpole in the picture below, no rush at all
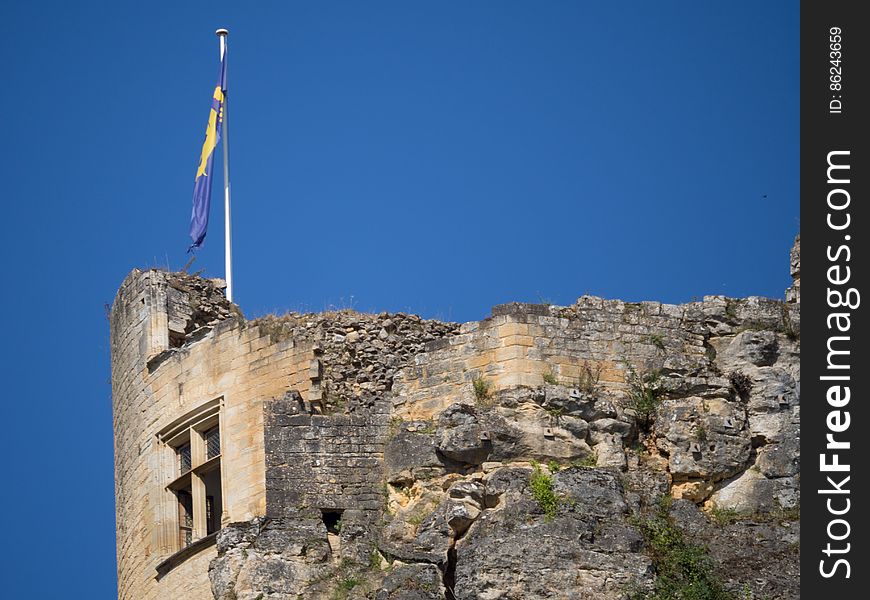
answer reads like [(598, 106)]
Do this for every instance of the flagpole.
[(222, 35)]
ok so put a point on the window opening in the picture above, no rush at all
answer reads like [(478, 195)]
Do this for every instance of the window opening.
[(185, 518), (213, 442), (184, 459), (193, 442), (209, 513), (332, 520), (213, 501)]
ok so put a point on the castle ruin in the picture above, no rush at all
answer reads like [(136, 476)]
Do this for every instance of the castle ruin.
[(385, 456)]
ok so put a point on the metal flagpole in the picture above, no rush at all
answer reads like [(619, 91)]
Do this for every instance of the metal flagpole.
[(222, 34)]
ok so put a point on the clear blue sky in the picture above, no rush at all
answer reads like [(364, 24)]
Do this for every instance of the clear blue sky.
[(433, 157)]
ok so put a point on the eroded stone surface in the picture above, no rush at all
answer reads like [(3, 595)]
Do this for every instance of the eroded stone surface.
[(389, 457), (516, 551)]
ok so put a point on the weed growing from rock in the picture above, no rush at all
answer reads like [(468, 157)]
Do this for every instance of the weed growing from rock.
[(586, 461), (587, 380), (731, 309), (742, 384), (657, 340), (684, 571), (542, 490), (345, 586), (788, 327), (375, 560), (482, 392), (554, 412), (724, 516), (396, 423), (644, 394)]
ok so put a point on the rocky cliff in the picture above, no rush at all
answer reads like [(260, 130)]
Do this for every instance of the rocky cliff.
[(604, 450)]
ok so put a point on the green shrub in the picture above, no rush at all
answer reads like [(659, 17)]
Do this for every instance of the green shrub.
[(430, 427), (787, 514), (731, 309), (554, 411), (542, 490), (375, 560), (684, 571), (396, 423), (550, 377)]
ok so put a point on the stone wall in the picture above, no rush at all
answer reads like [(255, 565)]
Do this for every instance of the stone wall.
[(176, 345), (433, 481), (390, 457)]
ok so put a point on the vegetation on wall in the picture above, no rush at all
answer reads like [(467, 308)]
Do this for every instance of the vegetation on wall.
[(542, 489), (644, 394), (684, 571)]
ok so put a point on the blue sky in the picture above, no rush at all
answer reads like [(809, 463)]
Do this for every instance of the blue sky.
[(438, 158)]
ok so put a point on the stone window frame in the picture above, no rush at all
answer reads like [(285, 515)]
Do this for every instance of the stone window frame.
[(189, 428)]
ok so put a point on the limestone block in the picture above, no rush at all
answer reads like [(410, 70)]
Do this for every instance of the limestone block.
[(695, 491), (412, 582), (688, 431), (759, 348), (609, 452)]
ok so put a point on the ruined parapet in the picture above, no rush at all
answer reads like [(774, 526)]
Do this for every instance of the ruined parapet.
[(357, 356), (185, 364), (195, 305)]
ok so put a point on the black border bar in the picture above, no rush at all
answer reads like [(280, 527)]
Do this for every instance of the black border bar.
[(835, 370)]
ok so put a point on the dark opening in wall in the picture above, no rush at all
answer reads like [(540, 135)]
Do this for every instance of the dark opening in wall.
[(332, 520), (213, 500), (450, 575), (176, 340)]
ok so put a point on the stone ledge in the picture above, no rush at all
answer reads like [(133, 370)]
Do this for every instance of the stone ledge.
[(182, 555), (521, 308)]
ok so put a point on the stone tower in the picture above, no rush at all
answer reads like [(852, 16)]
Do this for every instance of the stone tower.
[(348, 455)]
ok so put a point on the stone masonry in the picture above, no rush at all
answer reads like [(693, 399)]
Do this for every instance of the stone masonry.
[(391, 457)]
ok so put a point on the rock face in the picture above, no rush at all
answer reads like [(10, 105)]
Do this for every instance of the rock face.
[(517, 552), (769, 548), (266, 556), (522, 456), (436, 495), (793, 294)]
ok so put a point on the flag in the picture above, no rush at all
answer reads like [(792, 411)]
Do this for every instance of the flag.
[(202, 184)]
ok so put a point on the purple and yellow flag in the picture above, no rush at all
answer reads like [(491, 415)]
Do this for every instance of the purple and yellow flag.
[(202, 185)]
